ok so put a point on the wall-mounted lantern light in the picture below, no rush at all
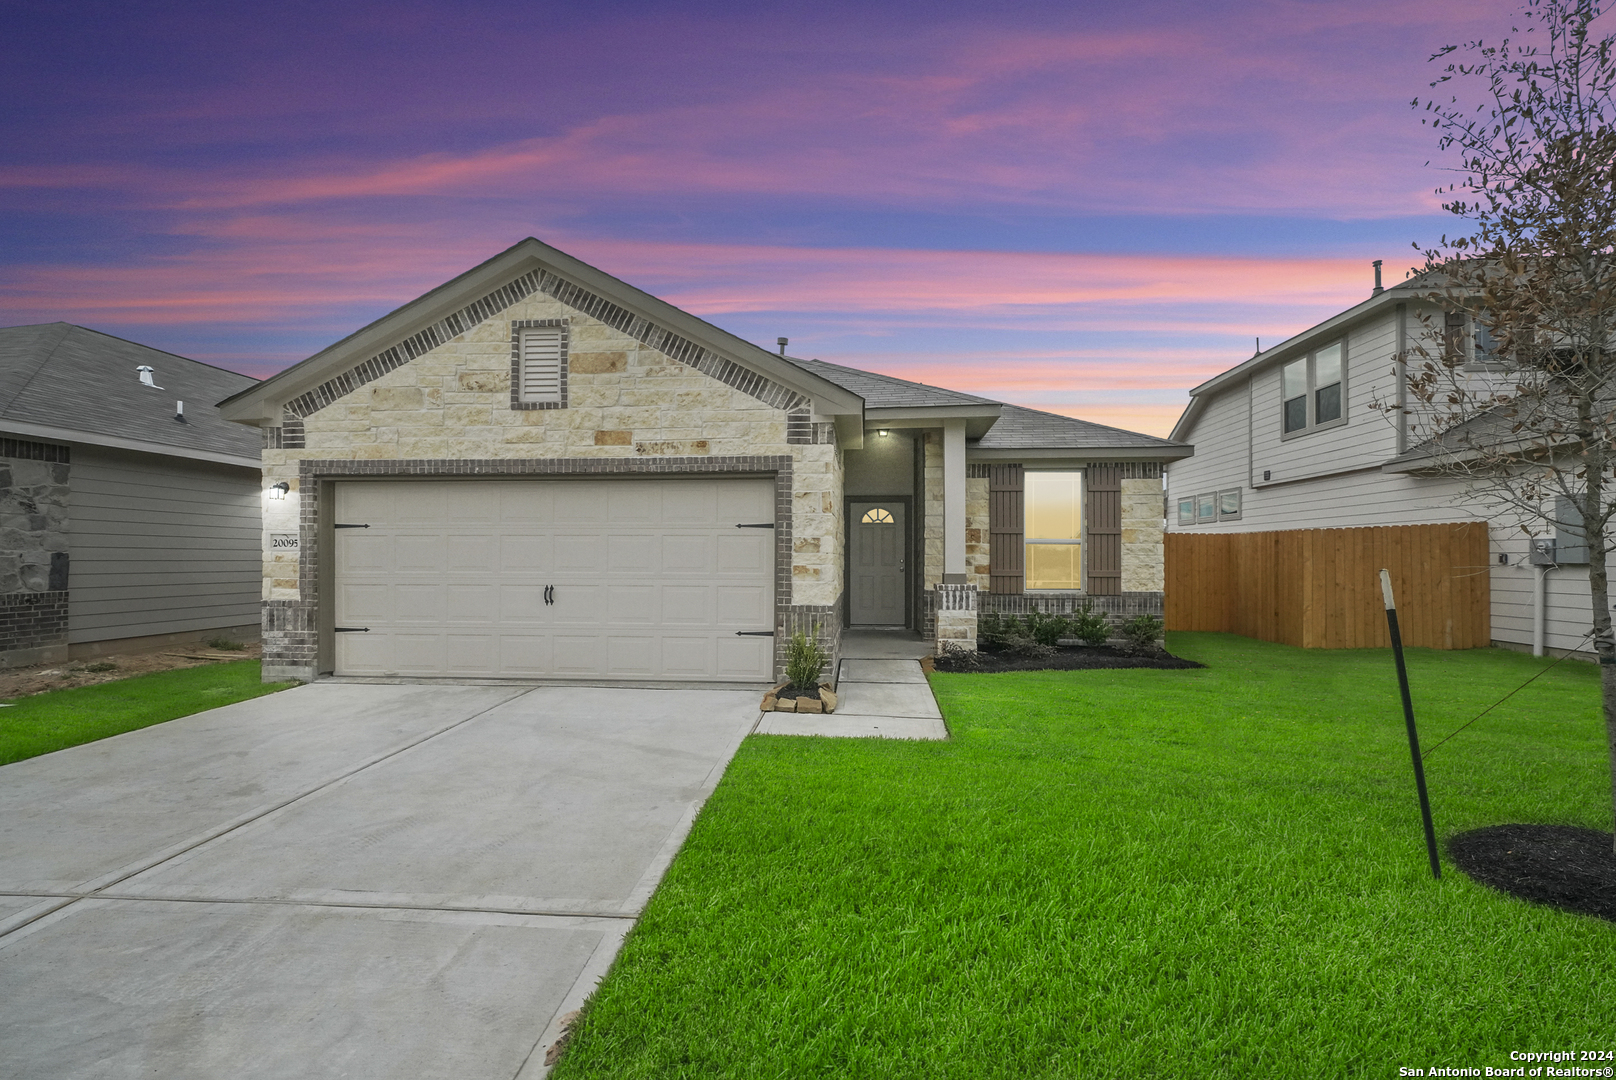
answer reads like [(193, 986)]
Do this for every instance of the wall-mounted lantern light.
[(278, 491)]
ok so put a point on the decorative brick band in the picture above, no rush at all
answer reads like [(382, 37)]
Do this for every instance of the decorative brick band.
[(289, 436), (34, 451), (1117, 607), (802, 431), (1130, 470), (291, 641), (975, 471), (33, 620), (573, 295)]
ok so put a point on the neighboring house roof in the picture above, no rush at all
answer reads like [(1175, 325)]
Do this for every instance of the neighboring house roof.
[(66, 383)]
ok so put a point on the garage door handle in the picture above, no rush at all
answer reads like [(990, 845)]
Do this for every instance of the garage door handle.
[(351, 629), (754, 633), (549, 594), (350, 526), (759, 525)]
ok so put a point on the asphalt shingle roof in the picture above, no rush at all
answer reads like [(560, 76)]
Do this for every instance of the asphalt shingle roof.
[(1016, 428), (1029, 429), (65, 376), (885, 392)]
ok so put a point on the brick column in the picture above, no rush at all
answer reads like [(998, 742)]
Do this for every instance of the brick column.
[(956, 617)]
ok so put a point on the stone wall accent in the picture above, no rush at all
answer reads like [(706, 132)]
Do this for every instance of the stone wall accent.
[(291, 640), (932, 511), (977, 537), (567, 296), (34, 496), (955, 613), (33, 628), (1143, 561)]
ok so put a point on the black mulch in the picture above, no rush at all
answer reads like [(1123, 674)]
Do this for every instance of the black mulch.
[(1075, 658), (1559, 865)]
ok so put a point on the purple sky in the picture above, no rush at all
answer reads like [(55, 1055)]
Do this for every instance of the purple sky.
[(1086, 208)]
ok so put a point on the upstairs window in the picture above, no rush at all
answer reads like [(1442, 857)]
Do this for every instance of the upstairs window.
[(1311, 390), (1054, 530)]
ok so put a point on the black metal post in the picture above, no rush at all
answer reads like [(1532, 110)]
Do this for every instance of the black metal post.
[(1408, 715)]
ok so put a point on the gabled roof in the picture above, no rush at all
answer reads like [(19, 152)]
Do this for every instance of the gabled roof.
[(256, 405), (1415, 288), (67, 383)]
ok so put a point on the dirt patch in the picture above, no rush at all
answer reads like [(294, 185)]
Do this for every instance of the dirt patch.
[(23, 682), (1562, 866), (1070, 658)]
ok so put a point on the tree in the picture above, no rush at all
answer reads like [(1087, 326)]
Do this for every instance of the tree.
[(1535, 279)]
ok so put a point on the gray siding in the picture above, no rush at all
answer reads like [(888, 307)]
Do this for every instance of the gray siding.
[(161, 546)]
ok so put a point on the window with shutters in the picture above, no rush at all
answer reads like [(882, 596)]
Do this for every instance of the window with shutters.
[(539, 364), (1054, 530)]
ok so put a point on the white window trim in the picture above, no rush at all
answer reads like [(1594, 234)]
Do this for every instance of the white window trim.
[(1082, 551), (1312, 424)]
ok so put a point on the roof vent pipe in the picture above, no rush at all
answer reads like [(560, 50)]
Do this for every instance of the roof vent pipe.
[(146, 373), (783, 342), (1378, 289), (179, 411)]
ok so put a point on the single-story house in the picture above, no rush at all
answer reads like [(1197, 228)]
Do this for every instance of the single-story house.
[(1292, 440), (129, 509), (536, 470)]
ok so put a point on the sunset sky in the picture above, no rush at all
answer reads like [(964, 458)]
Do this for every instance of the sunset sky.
[(1081, 207)]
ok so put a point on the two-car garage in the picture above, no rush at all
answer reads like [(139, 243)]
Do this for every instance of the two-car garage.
[(659, 580)]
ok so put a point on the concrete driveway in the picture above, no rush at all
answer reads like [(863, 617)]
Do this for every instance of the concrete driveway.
[(341, 880)]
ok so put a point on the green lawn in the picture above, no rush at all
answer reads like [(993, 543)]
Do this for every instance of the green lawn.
[(58, 719), (1213, 873)]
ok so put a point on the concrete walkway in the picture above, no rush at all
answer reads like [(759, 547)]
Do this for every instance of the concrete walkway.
[(881, 693), (341, 880)]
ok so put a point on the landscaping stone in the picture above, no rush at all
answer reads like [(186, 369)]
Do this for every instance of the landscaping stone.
[(826, 702)]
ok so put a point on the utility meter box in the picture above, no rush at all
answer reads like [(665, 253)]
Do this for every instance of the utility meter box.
[(1543, 550)]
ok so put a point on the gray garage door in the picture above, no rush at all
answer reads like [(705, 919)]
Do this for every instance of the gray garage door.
[(589, 579)]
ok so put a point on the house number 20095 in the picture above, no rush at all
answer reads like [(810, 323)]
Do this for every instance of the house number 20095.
[(283, 541)]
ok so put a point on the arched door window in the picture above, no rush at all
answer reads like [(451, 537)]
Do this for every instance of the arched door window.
[(876, 516)]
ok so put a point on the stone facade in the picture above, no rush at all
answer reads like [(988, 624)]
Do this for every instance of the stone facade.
[(976, 530), (631, 408), (1143, 567), (33, 552)]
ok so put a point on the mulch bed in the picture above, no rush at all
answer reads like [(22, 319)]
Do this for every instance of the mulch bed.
[(1559, 865), (1078, 658)]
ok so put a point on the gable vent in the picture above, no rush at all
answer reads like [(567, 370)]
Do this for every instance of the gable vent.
[(541, 364)]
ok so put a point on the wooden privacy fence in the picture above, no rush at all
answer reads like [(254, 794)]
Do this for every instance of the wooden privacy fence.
[(1320, 588)]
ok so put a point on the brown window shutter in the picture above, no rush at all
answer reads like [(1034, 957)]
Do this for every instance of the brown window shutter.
[(1102, 539), (1453, 334), (1005, 529)]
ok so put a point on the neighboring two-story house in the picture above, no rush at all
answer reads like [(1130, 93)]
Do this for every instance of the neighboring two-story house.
[(1298, 437)]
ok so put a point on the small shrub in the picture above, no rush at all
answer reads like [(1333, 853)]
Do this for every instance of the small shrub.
[(1090, 626), (1046, 628), (104, 665), (995, 632), (1142, 632), (957, 658), (805, 659), (1030, 649), (224, 643)]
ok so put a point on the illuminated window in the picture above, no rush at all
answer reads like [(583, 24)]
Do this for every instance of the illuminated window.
[(876, 516), (1054, 530)]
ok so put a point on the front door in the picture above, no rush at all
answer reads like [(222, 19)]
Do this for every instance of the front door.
[(875, 554)]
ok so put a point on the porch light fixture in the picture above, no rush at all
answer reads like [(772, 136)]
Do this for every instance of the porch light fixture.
[(882, 433), (277, 492)]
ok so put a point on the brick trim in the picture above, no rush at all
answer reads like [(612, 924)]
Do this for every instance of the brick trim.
[(22, 449), (291, 626), (517, 326), (1129, 470), (33, 620), (451, 326)]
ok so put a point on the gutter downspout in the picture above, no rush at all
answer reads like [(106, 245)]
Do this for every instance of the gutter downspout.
[(1540, 606)]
